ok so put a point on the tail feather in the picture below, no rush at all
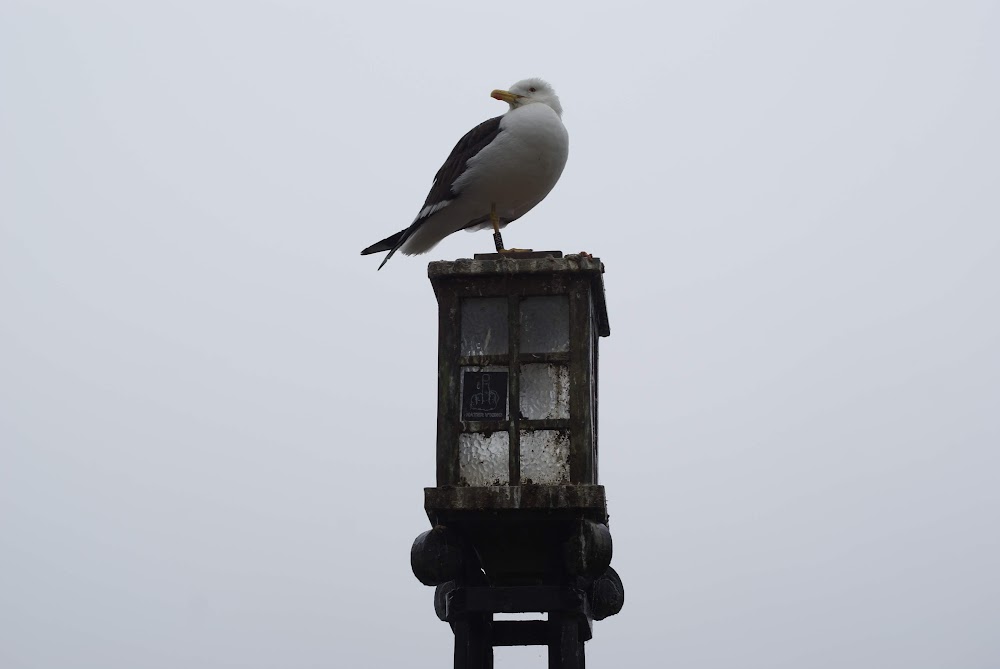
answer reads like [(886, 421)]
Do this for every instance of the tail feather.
[(390, 244), (386, 244)]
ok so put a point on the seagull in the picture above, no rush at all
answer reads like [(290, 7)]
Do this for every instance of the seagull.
[(495, 174)]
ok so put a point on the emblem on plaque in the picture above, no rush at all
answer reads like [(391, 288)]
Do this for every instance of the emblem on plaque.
[(484, 396)]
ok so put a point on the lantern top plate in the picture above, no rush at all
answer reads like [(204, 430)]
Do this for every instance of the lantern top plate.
[(538, 264)]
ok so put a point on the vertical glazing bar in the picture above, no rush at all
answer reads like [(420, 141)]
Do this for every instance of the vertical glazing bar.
[(514, 386)]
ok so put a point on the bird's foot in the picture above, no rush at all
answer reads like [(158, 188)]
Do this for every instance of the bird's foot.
[(584, 254)]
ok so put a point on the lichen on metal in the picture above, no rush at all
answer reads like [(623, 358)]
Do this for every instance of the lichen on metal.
[(585, 500), (572, 264), (482, 267)]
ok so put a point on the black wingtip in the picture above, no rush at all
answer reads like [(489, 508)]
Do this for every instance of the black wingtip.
[(388, 244), (386, 259), (374, 248)]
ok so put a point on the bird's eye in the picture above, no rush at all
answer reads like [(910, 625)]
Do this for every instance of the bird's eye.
[(532, 89)]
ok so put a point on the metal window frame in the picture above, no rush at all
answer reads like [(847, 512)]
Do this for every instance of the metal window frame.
[(587, 322)]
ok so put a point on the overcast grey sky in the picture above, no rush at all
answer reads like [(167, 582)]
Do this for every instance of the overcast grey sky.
[(797, 205)]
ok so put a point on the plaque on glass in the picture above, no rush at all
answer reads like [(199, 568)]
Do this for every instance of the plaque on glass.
[(484, 396)]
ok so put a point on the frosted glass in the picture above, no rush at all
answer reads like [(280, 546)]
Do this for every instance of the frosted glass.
[(484, 460), (484, 326), (544, 457), (545, 324), (544, 391)]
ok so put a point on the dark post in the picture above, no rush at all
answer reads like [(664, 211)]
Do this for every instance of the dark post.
[(519, 521)]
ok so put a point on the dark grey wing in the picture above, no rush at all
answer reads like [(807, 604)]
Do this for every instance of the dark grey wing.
[(472, 143)]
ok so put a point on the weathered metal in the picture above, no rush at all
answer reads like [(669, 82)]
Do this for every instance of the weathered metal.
[(520, 522), (438, 556), (585, 501), (606, 595), (470, 612), (577, 278), (588, 550)]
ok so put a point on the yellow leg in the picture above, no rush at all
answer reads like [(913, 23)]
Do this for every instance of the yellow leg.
[(495, 220), (497, 239)]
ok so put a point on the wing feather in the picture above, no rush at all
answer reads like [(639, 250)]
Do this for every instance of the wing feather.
[(472, 143), (442, 191)]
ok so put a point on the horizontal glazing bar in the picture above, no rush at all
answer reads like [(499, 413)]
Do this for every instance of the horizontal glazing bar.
[(490, 426), (543, 357), (551, 424), (483, 360), (486, 360)]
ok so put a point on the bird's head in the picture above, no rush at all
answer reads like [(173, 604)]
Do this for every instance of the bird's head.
[(529, 91)]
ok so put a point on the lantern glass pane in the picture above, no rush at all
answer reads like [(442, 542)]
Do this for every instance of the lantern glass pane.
[(545, 324), (484, 459), (544, 391), (544, 457), (484, 326)]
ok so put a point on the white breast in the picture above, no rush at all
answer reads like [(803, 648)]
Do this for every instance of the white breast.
[(519, 168)]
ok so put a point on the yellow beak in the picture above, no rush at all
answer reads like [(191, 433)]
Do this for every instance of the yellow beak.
[(506, 96)]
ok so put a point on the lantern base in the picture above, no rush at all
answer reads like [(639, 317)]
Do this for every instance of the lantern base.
[(580, 501), (527, 535)]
